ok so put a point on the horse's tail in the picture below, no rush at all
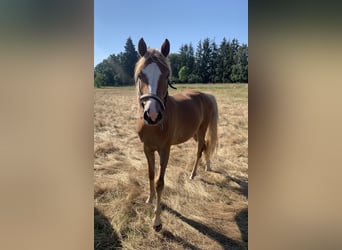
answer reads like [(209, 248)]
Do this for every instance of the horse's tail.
[(211, 136)]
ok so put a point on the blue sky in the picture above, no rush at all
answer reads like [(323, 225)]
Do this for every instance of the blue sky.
[(181, 21)]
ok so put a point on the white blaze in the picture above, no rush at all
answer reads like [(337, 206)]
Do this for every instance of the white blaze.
[(152, 73)]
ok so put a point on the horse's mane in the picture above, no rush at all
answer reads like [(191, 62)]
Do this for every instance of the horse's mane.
[(154, 56)]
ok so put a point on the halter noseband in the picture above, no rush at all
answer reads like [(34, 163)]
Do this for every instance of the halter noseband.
[(156, 97)]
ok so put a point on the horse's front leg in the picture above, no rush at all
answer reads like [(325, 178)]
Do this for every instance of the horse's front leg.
[(150, 161), (159, 184)]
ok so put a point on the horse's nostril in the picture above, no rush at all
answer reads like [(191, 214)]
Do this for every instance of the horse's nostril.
[(149, 120), (146, 116)]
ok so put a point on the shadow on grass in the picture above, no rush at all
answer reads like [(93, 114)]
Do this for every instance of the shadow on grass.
[(243, 184), (223, 240), (242, 221), (105, 237), (169, 236), (243, 189)]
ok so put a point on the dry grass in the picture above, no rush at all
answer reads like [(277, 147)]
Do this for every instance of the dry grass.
[(209, 212)]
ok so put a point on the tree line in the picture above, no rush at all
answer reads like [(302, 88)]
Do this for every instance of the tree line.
[(209, 63)]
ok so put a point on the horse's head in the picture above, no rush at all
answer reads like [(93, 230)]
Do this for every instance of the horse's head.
[(152, 73)]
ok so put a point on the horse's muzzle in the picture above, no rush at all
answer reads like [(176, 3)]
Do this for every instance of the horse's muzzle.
[(150, 121), (152, 114)]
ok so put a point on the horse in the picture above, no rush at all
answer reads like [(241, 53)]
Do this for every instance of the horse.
[(166, 120)]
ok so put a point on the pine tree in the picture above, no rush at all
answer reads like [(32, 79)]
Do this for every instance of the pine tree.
[(204, 60), (220, 62), (129, 59), (240, 67), (175, 62), (244, 63), (233, 60), (187, 58), (212, 61)]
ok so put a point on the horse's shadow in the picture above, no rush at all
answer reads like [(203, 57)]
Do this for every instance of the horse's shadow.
[(170, 237), (223, 240), (242, 221), (243, 183), (105, 236)]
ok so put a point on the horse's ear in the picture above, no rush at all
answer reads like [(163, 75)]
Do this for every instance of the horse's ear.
[(165, 48), (142, 47)]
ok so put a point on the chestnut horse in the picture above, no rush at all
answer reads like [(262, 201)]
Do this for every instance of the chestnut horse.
[(170, 119)]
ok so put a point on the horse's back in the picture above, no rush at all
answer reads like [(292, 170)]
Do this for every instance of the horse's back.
[(190, 111), (192, 100)]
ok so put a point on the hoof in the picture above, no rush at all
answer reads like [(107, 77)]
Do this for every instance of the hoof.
[(157, 228), (192, 177)]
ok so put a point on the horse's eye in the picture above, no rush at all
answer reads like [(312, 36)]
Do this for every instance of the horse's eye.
[(140, 76)]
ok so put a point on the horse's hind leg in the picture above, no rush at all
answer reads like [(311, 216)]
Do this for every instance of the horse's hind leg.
[(150, 161), (200, 148), (207, 158)]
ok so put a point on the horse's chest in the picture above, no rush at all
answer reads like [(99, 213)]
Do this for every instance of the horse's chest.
[(153, 136)]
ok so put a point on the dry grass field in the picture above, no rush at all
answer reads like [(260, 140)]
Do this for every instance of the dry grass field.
[(209, 212)]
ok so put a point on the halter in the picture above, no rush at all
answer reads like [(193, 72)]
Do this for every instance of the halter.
[(155, 97), (162, 103)]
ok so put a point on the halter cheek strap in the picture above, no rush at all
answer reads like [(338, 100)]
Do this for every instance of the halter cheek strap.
[(170, 84)]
